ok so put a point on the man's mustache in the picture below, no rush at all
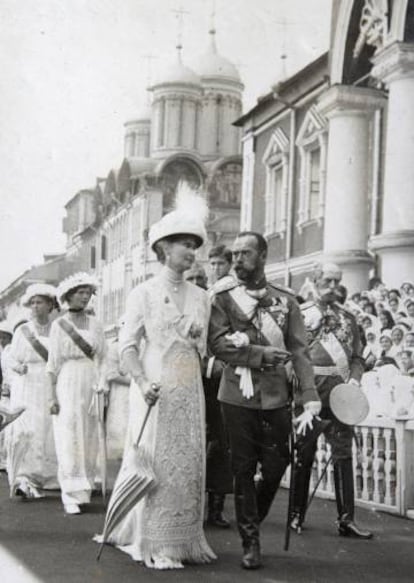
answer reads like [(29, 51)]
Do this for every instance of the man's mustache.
[(332, 293)]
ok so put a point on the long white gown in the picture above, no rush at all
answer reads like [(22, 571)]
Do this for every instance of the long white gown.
[(168, 522), (118, 409), (31, 443), (8, 376), (76, 425)]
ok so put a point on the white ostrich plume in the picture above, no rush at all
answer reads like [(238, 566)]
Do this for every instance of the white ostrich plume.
[(190, 202)]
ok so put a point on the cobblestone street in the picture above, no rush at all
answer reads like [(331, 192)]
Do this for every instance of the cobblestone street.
[(44, 545)]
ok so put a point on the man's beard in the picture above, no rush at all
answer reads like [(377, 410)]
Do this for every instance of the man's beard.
[(244, 274), (330, 296)]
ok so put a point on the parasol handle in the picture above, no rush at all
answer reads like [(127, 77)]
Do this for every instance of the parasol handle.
[(143, 425), (155, 387)]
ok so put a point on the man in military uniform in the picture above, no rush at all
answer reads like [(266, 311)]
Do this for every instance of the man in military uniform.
[(335, 349), (255, 328)]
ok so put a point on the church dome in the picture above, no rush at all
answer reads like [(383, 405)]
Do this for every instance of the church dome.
[(213, 65), (142, 114), (177, 74)]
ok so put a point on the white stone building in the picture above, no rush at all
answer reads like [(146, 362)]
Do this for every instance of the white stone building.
[(185, 133), (328, 153)]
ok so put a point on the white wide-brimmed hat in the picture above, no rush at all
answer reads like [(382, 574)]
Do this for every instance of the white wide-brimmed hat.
[(38, 289), (188, 218), (80, 279)]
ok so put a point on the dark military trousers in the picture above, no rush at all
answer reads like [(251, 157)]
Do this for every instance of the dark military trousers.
[(339, 436), (256, 436)]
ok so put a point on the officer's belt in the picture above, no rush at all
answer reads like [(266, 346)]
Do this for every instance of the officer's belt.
[(328, 371)]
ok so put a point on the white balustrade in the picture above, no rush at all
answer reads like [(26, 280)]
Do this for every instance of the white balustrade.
[(383, 466)]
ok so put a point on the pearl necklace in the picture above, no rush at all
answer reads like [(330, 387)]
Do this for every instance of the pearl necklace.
[(173, 279)]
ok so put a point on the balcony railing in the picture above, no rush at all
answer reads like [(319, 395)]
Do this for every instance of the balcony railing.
[(383, 466)]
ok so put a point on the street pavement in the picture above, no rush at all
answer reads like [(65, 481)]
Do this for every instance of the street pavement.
[(38, 543)]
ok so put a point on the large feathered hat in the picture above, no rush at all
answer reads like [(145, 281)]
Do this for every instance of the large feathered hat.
[(38, 289), (80, 279), (188, 217)]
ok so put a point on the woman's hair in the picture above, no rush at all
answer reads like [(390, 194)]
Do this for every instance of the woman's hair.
[(51, 301), (73, 291), (371, 305), (390, 319), (159, 247)]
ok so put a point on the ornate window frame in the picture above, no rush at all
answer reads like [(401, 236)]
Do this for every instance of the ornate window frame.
[(276, 159), (312, 135)]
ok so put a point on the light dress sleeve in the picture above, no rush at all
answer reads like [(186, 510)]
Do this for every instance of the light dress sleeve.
[(16, 354), (133, 329), (132, 333), (55, 359)]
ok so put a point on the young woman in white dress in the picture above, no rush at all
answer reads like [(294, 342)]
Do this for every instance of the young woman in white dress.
[(32, 464), (77, 347)]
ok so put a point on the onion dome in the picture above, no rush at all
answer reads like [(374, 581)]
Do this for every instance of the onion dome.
[(177, 74), (213, 65)]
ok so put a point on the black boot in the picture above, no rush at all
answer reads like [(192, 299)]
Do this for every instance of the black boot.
[(251, 557), (248, 523), (344, 491), (215, 511), (300, 499)]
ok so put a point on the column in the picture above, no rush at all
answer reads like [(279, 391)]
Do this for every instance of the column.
[(346, 226), (394, 65)]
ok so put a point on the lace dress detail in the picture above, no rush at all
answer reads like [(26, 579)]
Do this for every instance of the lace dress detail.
[(168, 522)]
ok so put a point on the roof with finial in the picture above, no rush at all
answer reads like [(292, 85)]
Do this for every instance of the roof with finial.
[(177, 74), (213, 65)]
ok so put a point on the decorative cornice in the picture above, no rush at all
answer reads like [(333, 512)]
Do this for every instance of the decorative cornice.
[(344, 99), (395, 61), (350, 257), (392, 240)]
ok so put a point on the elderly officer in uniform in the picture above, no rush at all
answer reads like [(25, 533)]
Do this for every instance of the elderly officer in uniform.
[(336, 353), (255, 328)]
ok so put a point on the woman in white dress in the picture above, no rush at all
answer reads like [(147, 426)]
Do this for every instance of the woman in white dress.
[(32, 462), (75, 366), (161, 343), (118, 383)]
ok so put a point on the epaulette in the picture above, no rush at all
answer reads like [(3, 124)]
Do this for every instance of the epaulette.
[(282, 288), (225, 284)]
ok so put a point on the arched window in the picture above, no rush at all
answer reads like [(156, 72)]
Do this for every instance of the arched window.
[(312, 143), (276, 161)]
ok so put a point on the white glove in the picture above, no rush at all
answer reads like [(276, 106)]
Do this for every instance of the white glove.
[(314, 407), (304, 422)]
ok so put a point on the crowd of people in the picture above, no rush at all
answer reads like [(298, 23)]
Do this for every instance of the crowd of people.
[(207, 371), (385, 318)]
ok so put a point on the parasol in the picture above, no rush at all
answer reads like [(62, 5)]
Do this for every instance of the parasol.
[(131, 485)]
